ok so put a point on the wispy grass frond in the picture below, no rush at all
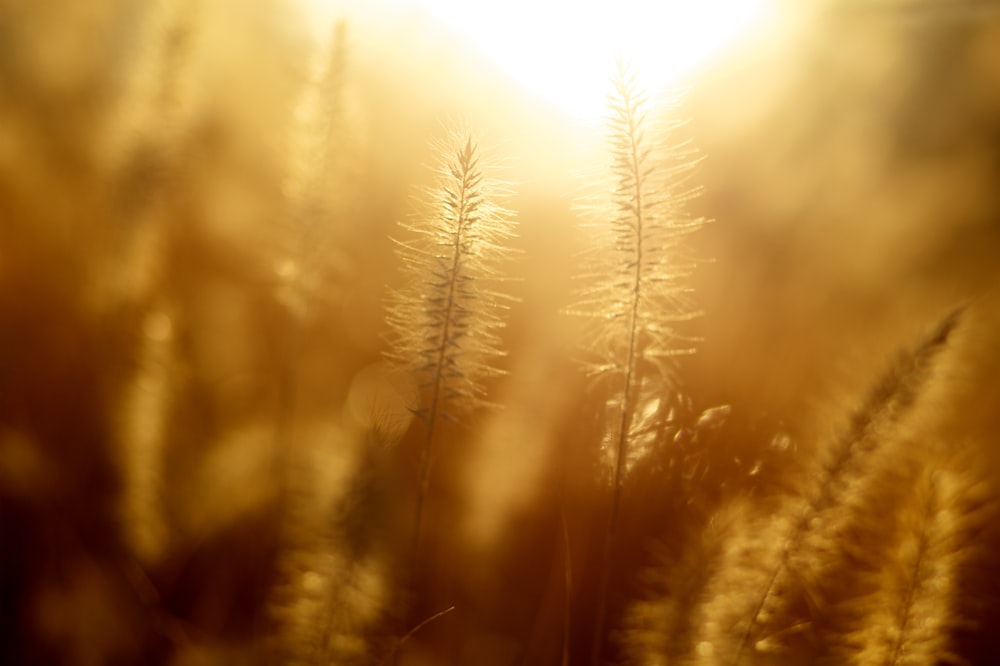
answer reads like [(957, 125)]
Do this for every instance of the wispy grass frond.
[(332, 568), (666, 626), (145, 140), (637, 274), (316, 180), (637, 289), (445, 319), (134, 283), (914, 606), (636, 283), (760, 619)]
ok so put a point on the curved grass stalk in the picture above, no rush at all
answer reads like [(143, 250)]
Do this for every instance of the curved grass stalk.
[(848, 461)]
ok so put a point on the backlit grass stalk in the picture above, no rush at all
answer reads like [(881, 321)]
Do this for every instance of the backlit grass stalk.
[(915, 602), (307, 230), (316, 181), (445, 319), (135, 288), (638, 289), (804, 531), (145, 144), (330, 589)]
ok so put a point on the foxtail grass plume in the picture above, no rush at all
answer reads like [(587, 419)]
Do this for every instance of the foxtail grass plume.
[(756, 605), (445, 319), (316, 181), (915, 604), (636, 287)]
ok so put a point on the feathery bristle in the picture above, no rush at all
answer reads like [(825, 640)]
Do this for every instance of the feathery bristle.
[(912, 605), (446, 318), (639, 291), (806, 527)]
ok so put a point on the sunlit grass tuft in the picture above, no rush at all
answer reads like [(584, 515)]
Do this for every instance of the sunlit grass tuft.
[(445, 319), (636, 289)]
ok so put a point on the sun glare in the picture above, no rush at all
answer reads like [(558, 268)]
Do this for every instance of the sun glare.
[(563, 50)]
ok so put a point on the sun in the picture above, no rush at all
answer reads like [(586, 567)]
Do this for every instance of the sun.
[(563, 51)]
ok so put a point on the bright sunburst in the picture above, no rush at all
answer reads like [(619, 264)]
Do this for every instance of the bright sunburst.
[(563, 50)]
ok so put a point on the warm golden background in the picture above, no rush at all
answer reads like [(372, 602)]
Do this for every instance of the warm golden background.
[(205, 459)]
